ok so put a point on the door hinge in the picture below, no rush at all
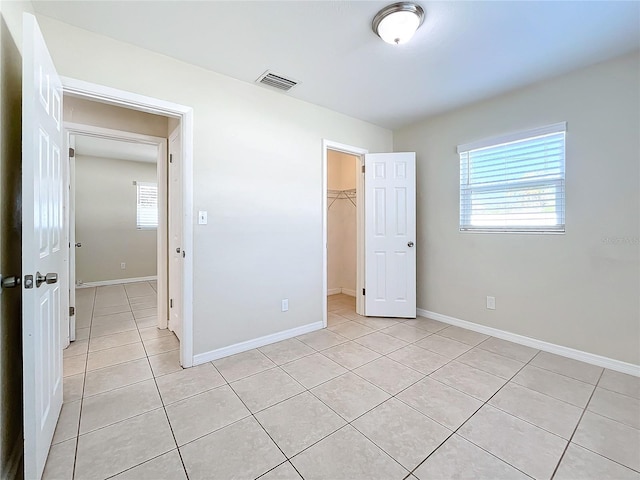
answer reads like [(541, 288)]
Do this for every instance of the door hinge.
[(362, 169), (72, 311), (72, 152), (171, 303), (363, 288), (171, 158)]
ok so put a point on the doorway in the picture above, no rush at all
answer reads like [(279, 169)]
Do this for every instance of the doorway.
[(342, 175), (117, 224), (180, 127), (343, 229)]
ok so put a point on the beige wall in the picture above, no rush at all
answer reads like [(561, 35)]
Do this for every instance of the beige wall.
[(580, 289), (258, 173), (86, 112), (341, 223), (10, 237), (106, 220)]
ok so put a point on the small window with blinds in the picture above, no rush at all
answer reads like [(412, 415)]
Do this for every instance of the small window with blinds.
[(147, 209), (514, 183)]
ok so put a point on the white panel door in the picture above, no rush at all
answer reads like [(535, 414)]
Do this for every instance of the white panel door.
[(390, 234), (175, 234), (44, 248)]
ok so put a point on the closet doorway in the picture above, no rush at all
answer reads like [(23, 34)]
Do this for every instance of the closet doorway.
[(344, 218)]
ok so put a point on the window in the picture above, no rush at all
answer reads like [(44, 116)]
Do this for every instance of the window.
[(514, 183), (147, 211)]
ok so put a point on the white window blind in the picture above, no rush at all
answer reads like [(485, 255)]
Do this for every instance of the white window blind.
[(147, 211), (514, 183)]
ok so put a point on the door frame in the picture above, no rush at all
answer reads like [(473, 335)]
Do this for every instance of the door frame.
[(134, 101), (75, 129), (359, 153)]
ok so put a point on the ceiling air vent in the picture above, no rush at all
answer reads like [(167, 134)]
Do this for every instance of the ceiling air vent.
[(276, 81)]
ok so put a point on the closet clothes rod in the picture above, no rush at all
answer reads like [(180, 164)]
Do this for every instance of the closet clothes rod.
[(341, 195)]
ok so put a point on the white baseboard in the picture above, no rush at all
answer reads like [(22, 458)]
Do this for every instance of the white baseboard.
[(592, 358), (346, 291), (13, 464), (116, 282), (255, 343)]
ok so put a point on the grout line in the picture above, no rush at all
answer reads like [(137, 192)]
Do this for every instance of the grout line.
[(84, 384), (486, 402), (164, 408), (566, 447)]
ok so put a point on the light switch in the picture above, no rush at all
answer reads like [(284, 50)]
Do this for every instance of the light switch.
[(202, 217)]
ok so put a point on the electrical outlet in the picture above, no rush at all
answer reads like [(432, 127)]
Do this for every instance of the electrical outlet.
[(285, 304), (491, 303), (123, 266)]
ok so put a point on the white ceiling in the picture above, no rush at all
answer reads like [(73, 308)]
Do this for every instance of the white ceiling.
[(464, 52), (119, 150)]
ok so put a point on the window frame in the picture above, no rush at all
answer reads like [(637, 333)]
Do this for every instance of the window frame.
[(140, 226), (558, 183)]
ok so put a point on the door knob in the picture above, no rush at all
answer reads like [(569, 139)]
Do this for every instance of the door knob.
[(410, 244), (78, 244), (49, 278), (11, 282)]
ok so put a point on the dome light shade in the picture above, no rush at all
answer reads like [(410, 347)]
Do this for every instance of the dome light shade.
[(397, 23)]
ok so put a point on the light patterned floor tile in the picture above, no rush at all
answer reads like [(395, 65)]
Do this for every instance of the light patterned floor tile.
[(541, 410), (381, 342), (243, 364), (620, 383), (458, 458), (105, 379), (616, 406), (313, 370), (113, 449), (116, 405), (389, 375), (350, 396), (445, 405), (350, 355), (249, 452), (567, 366), (267, 388), (530, 449), (408, 436), (347, 455), (286, 351), (609, 438), (204, 413), (580, 463), (165, 467), (187, 382), (299, 422), (558, 386)]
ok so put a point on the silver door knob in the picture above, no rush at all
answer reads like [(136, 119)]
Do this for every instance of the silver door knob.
[(11, 282), (78, 244), (49, 278), (410, 244)]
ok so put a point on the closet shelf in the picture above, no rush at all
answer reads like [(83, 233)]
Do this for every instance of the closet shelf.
[(334, 195)]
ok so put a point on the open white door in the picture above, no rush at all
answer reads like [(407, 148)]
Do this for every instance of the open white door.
[(175, 234), (390, 235), (44, 249)]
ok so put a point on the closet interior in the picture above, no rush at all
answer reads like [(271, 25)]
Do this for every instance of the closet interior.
[(342, 174)]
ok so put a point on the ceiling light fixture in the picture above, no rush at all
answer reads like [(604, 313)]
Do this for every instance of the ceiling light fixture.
[(397, 23)]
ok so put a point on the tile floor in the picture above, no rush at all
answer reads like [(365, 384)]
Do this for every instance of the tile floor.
[(367, 398)]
